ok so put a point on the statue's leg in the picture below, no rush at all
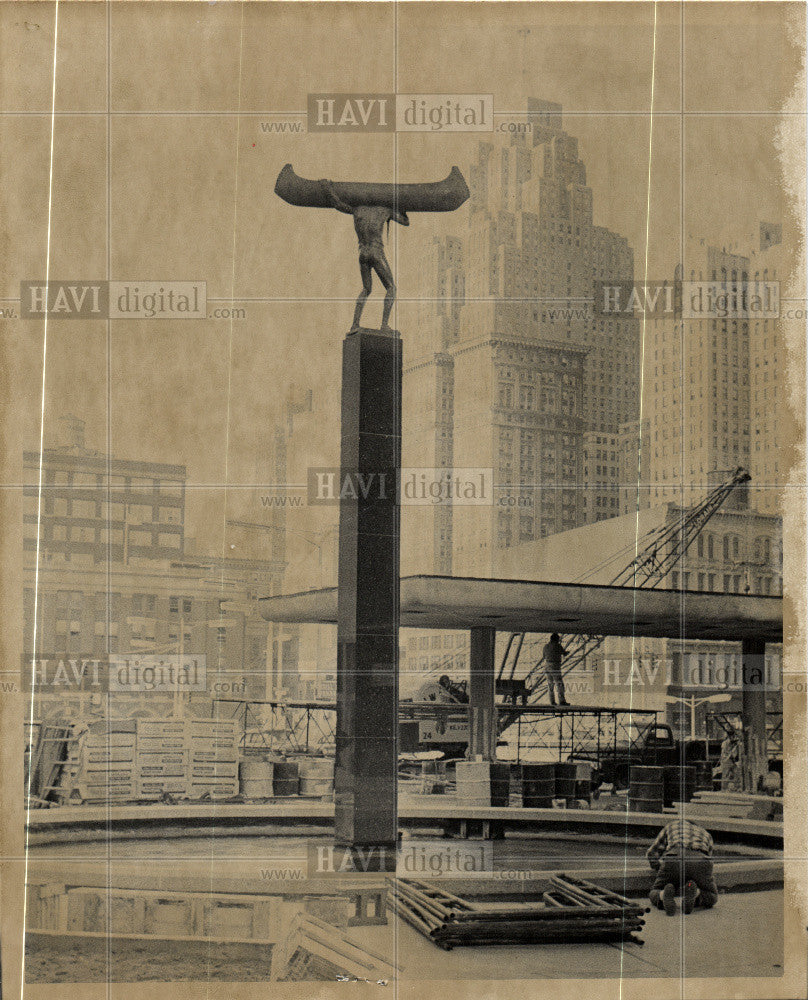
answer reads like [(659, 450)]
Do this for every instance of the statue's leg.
[(386, 277), (367, 284)]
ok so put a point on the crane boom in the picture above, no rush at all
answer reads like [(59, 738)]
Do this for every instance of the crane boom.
[(663, 549)]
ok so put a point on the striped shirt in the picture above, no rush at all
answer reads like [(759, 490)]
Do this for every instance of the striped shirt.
[(679, 836)]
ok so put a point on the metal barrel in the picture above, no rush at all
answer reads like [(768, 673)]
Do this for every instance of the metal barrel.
[(565, 777), (679, 784), (538, 785), (316, 776), (256, 779), (285, 779), (704, 776), (646, 790), (500, 784)]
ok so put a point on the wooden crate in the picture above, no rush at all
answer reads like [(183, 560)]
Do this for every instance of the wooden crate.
[(160, 728)]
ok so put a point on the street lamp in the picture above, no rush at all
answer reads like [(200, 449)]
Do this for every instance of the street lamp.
[(694, 702)]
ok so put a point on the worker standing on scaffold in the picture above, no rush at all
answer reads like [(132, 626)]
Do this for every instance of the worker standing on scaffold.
[(552, 655)]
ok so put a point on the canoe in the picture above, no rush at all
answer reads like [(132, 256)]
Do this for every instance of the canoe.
[(436, 196)]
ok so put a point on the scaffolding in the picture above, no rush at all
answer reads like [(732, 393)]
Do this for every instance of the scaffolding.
[(284, 726)]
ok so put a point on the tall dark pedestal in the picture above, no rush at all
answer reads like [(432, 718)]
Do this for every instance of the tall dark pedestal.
[(753, 693), (365, 776)]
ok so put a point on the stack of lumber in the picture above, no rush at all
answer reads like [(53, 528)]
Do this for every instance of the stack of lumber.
[(127, 760), (161, 764), (212, 757), (744, 805), (107, 762), (187, 758), (573, 910)]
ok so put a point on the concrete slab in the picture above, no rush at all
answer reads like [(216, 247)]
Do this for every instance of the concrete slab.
[(447, 602), (299, 812)]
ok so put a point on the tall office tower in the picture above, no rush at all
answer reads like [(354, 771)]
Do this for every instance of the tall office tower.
[(601, 497), (510, 366), (428, 450), (441, 284), (768, 460), (697, 381), (535, 368), (633, 447), (428, 389), (519, 414)]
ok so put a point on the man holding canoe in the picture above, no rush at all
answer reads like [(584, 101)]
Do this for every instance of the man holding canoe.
[(369, 222)]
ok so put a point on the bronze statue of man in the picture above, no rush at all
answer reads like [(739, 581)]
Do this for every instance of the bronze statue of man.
[(372, 205), (369, 222)]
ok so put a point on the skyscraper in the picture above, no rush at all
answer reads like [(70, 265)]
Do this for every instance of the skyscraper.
[(697, 381), (768, 460), (511, 358)]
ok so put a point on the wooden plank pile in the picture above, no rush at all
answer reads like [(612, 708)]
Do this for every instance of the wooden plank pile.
[(212, 758), (742, 805), (161, 761), (107, 762), (573, 910), (129, 760)]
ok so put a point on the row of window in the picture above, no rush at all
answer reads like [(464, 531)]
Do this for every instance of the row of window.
[(95, 509), (436, 641), (727, 583)]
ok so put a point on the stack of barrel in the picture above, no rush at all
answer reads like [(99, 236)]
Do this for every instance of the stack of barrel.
[(571, 911), (482, 783), (285, 779), (541, 783), (704, 776), (646, 790), (538, 786)]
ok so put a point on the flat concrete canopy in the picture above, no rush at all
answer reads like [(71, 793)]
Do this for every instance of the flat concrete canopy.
[(447, 602)]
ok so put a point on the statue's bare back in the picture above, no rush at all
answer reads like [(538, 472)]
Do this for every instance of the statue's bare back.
[(369, 223)]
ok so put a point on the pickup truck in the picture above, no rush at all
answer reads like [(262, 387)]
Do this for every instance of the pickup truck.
[(657, 747)]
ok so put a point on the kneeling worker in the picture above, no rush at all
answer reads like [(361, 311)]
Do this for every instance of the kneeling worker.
[(682, 857)]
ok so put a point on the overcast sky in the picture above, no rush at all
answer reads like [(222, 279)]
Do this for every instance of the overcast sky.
[(190, 194)]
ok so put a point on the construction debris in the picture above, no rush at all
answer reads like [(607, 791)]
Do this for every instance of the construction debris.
[(314, 949), (573, 910)]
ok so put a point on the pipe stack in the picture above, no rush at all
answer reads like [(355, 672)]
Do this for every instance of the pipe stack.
[(573, 910)]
